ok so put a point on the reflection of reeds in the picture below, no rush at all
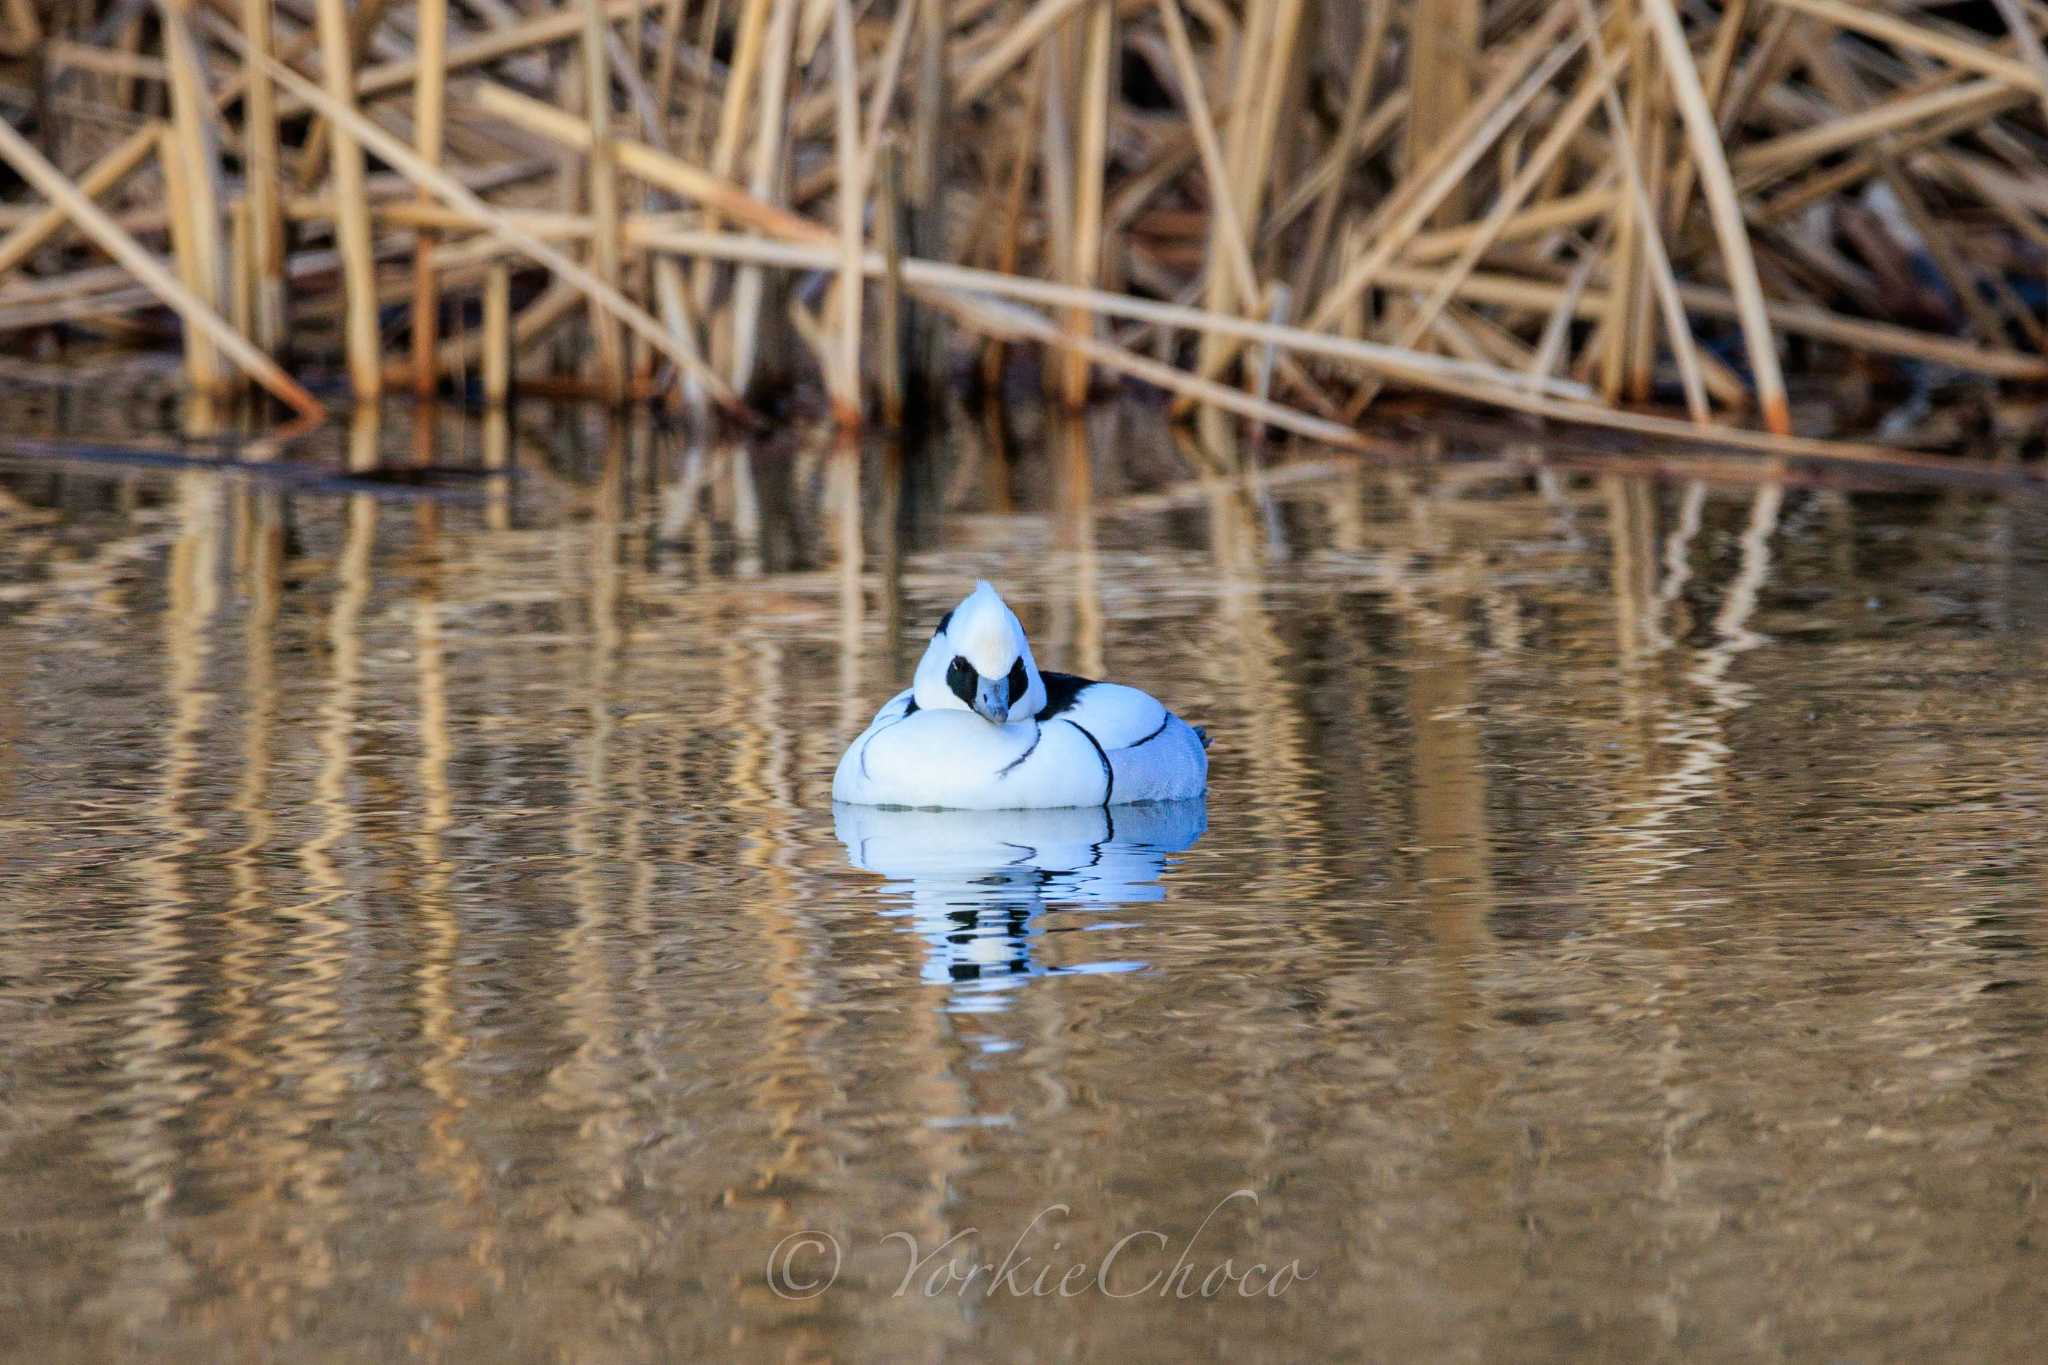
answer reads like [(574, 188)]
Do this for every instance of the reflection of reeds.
[(437, 980), (312, 1003), (1464, 196), (731, 1045), (158, 943)]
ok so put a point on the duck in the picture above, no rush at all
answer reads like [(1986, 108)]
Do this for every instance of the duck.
[(982, 728)]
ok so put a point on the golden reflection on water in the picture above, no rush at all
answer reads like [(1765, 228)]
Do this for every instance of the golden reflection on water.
[(1617, 929)]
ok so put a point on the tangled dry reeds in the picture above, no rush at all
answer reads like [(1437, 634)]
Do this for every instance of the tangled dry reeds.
[(1585, 209)]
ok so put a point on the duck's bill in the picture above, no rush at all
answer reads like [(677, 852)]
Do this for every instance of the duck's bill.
[(992, 700)]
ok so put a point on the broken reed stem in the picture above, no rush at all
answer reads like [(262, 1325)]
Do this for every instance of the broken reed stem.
[(743, 70), (1905, 34), (1444, 38), (1226, 231), (1021, 322), (1264, 66), (1010, 232), (2014, 13), (1714, 75)]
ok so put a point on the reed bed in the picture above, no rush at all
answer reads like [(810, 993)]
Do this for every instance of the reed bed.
[(1640, 214)]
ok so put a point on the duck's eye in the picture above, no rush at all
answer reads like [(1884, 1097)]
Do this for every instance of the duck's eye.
[(1020, 681), (961, 680)]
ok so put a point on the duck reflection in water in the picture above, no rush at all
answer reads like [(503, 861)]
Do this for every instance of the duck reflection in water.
[(976, 885)]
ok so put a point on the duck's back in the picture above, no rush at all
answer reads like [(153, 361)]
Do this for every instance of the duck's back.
[(1092, 744), (1148, 753)]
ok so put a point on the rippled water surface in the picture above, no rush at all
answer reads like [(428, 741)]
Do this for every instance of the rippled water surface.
[(1615, 928)]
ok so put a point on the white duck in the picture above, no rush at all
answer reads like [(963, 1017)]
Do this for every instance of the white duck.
[(980, 728)]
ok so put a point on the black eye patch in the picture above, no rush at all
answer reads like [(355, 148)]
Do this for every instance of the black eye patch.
[(1020, 681), (962, 679)]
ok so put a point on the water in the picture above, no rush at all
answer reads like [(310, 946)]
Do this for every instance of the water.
[(1615, 929)]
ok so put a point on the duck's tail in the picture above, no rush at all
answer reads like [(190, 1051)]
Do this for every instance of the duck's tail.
[(1202, 733)]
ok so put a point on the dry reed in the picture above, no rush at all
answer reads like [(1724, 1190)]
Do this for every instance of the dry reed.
[(1582, 210)]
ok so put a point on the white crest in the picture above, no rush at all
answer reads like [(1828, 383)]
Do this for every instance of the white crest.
[(984, 632)]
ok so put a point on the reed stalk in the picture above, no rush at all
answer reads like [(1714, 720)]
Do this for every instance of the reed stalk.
[(846, 398), (194, 184), (497, 338), (264, 174), (429, 133), (352, 223), (605, 247), (764, 181), (889, 228), (1090, 159)]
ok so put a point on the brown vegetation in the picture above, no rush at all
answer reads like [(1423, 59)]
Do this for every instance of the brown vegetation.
[(1278, 208)]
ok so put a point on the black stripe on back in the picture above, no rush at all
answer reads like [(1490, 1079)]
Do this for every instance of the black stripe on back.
[(1061, 692), (1156, 733), (1108, 773), (944, 621)]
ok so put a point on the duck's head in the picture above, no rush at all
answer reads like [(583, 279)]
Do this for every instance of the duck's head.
[(979, 661)]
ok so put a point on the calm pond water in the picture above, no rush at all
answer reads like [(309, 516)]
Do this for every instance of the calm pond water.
[(1615, 929)]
